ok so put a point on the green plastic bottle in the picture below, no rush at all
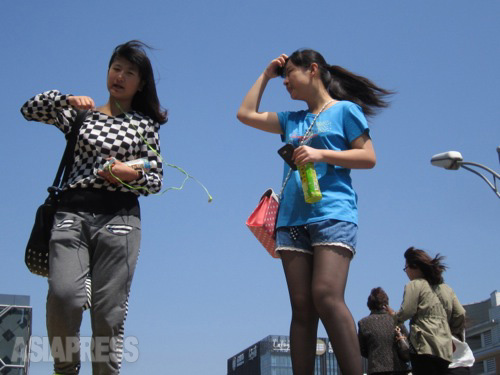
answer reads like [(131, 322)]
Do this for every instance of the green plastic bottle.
[(310, 185)]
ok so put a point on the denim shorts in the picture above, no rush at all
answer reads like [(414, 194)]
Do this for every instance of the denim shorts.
[(327, 232)]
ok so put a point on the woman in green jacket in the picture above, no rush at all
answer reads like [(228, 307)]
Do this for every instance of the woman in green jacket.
[(434, 311)]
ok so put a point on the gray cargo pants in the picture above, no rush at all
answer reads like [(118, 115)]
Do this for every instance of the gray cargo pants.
[(106, 247)]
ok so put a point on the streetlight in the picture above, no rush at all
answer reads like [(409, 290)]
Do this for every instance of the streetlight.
[(454, 160)]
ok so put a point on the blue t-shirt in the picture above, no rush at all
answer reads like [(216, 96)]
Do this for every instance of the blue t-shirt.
[(334, 129)]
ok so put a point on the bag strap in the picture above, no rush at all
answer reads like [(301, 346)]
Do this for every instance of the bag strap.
[(68, 155), (304, 141), (438, 295)]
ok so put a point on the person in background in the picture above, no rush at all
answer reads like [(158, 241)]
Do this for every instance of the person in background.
[(377, 339), (97, 226), (434, 311), (317, 241)]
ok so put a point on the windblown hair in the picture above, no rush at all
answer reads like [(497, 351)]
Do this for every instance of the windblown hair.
[(377, 299), (146, 100), (431, 268), (343, 84)]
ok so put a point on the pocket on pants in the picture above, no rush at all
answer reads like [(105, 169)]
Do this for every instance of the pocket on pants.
[(65, 221), (119, 229)]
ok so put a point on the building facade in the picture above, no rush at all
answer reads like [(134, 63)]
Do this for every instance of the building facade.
[(483, 334), (15, 333), (271, 356)]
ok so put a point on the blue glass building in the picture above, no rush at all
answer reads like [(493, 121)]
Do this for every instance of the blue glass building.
[(271, 356), (15, 333)]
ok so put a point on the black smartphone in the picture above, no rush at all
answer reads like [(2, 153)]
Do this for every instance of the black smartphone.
[(286, 152), (280, 70)]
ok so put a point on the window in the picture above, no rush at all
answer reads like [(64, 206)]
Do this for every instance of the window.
[(474, 342), (490, 366), (487, 338)]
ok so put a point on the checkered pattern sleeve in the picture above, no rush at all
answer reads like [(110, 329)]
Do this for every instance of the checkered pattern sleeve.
[(151, 182), (50, 107), (128, 136)]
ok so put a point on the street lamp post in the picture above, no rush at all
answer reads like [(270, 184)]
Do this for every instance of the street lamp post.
[(453, 160)]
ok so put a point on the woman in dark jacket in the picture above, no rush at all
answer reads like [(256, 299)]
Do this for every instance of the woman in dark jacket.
[(376, 336)]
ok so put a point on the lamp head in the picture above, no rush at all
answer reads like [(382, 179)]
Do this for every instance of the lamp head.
[(447, 160)]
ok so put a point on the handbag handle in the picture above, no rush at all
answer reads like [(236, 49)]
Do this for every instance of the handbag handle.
[(68, 155)]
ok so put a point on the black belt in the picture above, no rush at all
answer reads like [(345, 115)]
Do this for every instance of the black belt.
[(99, 201)]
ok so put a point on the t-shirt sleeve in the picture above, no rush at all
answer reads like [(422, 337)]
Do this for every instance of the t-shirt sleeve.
[(283, 119), (355, 123)]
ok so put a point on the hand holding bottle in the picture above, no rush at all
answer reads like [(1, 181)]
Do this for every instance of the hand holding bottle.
[(306, 154), (125, 171)]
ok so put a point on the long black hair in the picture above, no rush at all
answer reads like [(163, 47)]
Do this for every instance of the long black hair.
[(146, 100), (342, 84), (431, 268)]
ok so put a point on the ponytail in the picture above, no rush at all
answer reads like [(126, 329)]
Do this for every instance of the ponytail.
[(343, 84)]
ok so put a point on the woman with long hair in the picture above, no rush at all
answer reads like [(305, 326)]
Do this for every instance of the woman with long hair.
[(317, 241), (434, 311), (97, 227)]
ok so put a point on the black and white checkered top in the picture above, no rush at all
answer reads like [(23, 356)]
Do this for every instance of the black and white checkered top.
[(100, 137)]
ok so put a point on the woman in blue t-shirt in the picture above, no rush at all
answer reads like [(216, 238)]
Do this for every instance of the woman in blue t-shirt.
[(317, 241)]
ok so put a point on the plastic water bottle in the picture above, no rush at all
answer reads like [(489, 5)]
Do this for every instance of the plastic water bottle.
[(143, 164), (137, 164), (310, 185)]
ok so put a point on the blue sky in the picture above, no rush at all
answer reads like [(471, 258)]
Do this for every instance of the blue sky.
[(204, 288)]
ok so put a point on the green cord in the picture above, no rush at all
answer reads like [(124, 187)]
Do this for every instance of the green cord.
[(188, 176)]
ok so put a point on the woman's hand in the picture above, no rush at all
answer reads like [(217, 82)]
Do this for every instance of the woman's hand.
[(399, 335), (120, 170), (249, 113), (360, 156), (272, 69), (389, 310), (81, 102), (306, 154)]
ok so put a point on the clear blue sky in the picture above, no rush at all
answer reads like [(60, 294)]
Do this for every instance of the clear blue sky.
[(204, 288)]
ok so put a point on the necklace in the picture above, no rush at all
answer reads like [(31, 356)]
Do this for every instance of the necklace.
[(308, 135), (305, 140), (325, 105)]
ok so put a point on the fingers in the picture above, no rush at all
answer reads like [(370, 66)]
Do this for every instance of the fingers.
[(274, 66), (107, 176), (106, 171), (306, 154), (300, 155), (81, 102), (282, 59), (117, 172)]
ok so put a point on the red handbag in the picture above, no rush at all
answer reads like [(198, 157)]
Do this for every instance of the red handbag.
[(262, 221)]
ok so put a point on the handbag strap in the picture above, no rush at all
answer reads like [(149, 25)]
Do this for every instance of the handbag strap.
[(440, 300), (68, 155), (304, 141)]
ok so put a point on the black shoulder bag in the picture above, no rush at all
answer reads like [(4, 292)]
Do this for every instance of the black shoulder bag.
[(36, 256)]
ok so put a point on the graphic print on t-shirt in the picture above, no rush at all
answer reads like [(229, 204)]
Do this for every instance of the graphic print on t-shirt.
[(319, 127)]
